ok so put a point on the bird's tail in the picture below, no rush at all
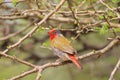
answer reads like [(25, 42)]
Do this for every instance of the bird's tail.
[(74, 59)]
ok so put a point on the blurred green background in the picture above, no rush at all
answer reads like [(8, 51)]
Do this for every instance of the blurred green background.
[(36, 49)]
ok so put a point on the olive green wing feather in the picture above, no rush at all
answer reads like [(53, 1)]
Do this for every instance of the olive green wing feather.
[(63, 44)]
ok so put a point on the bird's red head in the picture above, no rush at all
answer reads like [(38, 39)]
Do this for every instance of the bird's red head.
[(53, 33)]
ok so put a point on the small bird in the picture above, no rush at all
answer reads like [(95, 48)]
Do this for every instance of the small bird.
[(62, 47)]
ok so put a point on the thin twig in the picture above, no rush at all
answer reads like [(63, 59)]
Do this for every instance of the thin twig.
[(99, 52), (109, 8), (39, 74), (34, 29), (24, 74), (18, 32), (66, 17), (74, 15), (12, 17), (114, 70), (17, 59), (80, 5), (106, 5), (102, 51), (10, 1)]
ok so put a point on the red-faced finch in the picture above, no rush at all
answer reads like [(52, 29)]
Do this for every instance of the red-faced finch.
[(62, 47)]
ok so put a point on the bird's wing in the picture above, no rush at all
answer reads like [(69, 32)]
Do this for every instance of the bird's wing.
[(63, 44)]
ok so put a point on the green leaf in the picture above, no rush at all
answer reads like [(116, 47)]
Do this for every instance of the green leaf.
[(1, 1), (104, 29), (116, 29), (55, 12), (41, 16), (97, 28), (115, 1), (101, 17), (105, 26), (40, 29), (110, 13), (14, 2), (46, 44), (80, 0)]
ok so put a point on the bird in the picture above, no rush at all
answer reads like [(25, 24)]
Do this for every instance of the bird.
[(62, 47)]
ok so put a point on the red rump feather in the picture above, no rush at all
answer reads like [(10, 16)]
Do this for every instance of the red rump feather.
[(74, 59)]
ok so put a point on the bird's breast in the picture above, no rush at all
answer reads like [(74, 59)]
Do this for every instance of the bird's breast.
[(60, 53)]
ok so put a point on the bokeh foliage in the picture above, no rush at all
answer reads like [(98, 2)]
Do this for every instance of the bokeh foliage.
[(36, 48)]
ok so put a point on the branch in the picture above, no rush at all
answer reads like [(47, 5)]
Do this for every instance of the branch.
[(10, 1), (40, 69), (114, 70), (35, 28), (17, 59), (87, 17), (24, 74), (73, 14), (18, 32), (86, 21), (102, 51), (109, 8), (12, 17), (39, 74)]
